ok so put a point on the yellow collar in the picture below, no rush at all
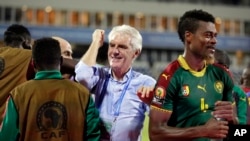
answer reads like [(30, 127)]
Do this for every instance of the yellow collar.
[(185, 66)]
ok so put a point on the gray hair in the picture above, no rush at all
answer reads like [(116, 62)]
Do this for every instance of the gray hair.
[(134, 34)]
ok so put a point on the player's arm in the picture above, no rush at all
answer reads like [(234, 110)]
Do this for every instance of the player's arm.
[(160, 131), (68, 66), (92, 122), (9, 130), (226, 110), (242, 108)]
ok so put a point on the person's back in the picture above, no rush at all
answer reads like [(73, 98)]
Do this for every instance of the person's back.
[(14, 61), (56, 109), (50, 107)]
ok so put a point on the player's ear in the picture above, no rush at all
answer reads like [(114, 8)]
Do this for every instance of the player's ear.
[(25, 45), (34, 65), (188, 36)]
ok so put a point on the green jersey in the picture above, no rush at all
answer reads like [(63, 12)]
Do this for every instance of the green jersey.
[(241, 104), (191, 95)]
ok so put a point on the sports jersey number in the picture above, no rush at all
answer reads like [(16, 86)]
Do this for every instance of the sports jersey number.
[(204, 106)]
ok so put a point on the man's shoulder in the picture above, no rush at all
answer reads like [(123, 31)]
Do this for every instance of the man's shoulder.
[(143, 78), (171, 68)]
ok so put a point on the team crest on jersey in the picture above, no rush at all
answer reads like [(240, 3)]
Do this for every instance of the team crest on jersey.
[(185, 90), (2, 64), (218, 86), (52, 120), (159, 96), (160, 93)]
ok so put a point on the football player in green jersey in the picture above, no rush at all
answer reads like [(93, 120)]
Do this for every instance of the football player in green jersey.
[(191, 96)]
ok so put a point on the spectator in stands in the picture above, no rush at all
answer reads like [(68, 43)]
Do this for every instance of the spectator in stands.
[(191, 97), (245, 79), (221, 57), (48, 106), (121, 111)]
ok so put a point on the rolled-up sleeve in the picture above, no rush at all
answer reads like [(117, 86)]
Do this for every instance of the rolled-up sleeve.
[(86, 75)]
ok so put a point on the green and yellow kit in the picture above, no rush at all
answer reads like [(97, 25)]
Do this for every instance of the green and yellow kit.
[(191, 95)]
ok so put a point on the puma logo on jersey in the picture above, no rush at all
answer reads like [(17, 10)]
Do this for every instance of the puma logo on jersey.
[(203, 88), (165, 76)]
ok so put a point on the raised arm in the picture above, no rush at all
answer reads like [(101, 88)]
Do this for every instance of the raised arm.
[(90, 56)]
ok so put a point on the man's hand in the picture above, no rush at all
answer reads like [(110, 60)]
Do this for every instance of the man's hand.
[(146, 94), (224, 110), (216, 129), (98, 37)]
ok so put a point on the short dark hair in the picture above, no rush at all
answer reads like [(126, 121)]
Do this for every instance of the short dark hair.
[(46, 52), (16, 34), (190, 21), (221, 57)]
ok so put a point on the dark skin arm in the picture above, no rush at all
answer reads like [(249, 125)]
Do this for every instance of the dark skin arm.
[(226, 110), (160, 131), (67, 66), (158, 119)]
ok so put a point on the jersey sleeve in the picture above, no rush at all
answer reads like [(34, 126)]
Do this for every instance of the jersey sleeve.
[(10, 129), (229, 85), (92, 122), (165, 89), (241, 104)]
